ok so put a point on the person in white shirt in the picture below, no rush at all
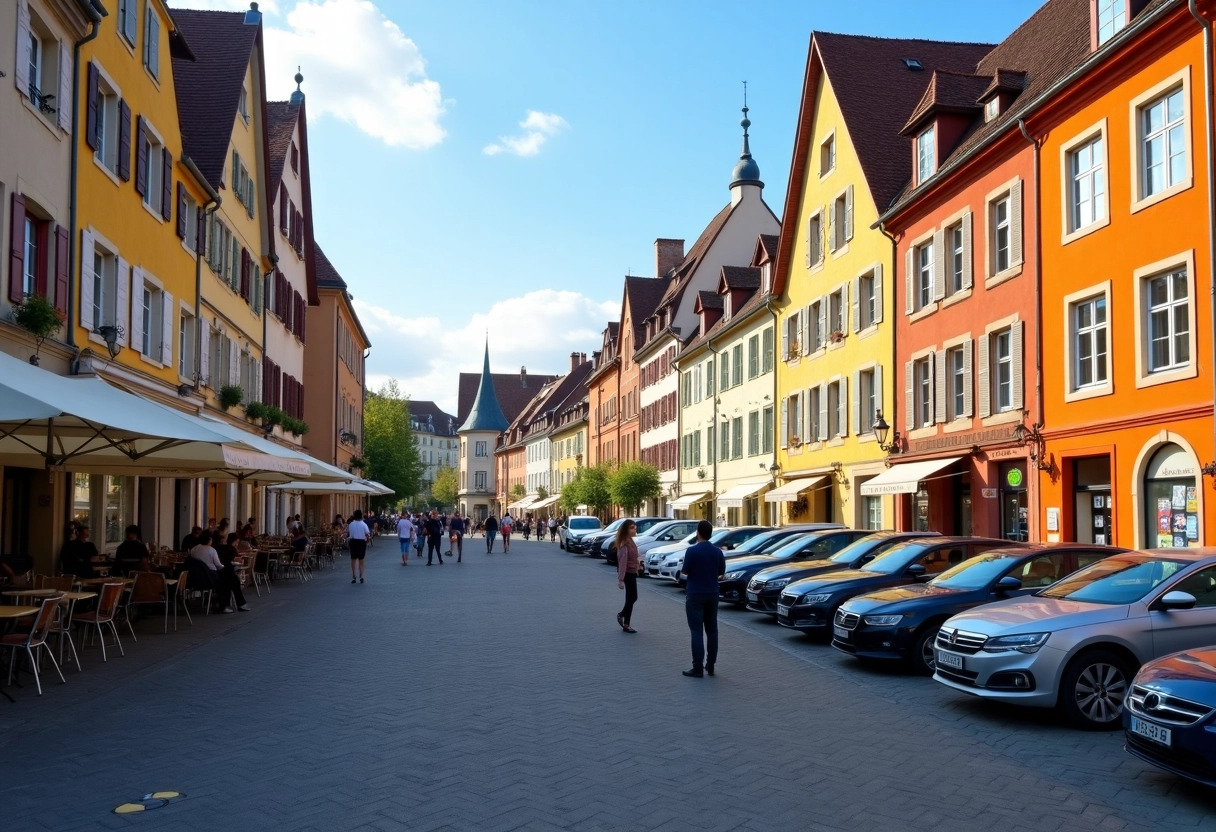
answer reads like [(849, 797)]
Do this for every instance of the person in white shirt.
[(214, 575), (405, 534), (358, 533)]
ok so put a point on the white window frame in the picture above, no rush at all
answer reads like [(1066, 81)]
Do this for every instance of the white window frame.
[(922, 282), (1141, 200), (151, 54), (814, 237), (926, 153), (154, 173), (1011, 193), (1145, 378), (922, 386), (1110, 18), (106, 156), (1072, 390), (827, 154), (1002, 364), (187, 341), (988, 375), (152, 326), (1070, 230)]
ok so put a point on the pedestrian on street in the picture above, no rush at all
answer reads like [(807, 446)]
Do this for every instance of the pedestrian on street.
[(628, 564), (506, 526), (419, 532), (456, 528), (405, 536), (704, 566), (434, 531), (552, 528), (491, 533), (358, 533)]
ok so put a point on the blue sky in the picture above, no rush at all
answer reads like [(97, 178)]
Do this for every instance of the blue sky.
[(499, 166)]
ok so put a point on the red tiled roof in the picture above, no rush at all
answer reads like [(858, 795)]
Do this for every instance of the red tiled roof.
[(327, 275), (1005, 80), (754, 302), (709, 300), (643, 294), (948, 92), (281, 117), (768, 243), (740, 277), (684, 272)]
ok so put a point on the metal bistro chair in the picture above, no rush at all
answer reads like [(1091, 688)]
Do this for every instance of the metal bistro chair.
[(260, 570), (150, 589), (63, 583), (35, 639), (179, 598), (107, 607)]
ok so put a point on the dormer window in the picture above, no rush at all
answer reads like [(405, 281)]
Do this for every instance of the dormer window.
[(766, 278), (926, 154), (992, 108), (726, 305), (1110, 18)]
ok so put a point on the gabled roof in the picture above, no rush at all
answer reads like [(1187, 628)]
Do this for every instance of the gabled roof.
[(485, 414), (948, 92), (1005, 80), (739, 277), (281, 118), (683, 273), (429, 413), (754, 302), (708, 300), (767, 243), (328, 278), (643, 295)]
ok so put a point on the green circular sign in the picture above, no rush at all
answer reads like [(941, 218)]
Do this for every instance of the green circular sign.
[(1014, 477)]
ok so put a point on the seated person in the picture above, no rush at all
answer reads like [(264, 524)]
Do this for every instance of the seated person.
[(244, 541), (132, 554), (191, 540), (76, 556), (207, 571), (230, 583), (299, 541)]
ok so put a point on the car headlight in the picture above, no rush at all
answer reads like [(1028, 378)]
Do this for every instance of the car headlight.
[(777, 584), (1023, 643), (882, 620), (732, 576), (822, 598)]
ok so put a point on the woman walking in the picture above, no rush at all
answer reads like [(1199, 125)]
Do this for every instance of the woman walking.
[(506, 526), (491, 533), (359, 532), (628, 564)]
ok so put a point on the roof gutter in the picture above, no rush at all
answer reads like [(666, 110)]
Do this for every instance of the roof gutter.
[(1210, 131)]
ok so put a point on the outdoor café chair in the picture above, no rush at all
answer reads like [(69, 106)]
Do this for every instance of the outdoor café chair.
[(150, 589), (63, 583), (260, 570), (107, 607), (35, 639), (61, 627), (179, 597)]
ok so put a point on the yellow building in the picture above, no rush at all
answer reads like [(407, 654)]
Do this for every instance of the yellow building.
[(569, 438), (834, 369), (222, 102)]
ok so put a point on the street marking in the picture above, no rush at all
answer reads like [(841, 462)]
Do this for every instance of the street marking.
[(154, 800)]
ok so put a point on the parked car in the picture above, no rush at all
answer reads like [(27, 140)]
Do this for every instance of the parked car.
[(812, 546), (765, 587), (599, 543), (810, 605), (671, 557), (660, 534), (570, 534), (902, 622), (1169, 717), (1077, 644)]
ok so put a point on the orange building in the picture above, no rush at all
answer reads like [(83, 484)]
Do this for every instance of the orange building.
[(1127, 380), (603, 399)]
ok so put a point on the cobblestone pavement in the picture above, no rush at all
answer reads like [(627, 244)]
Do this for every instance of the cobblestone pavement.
[(499, 694)]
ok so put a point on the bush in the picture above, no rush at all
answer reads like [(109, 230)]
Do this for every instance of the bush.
[(231, 395), (256, 410)]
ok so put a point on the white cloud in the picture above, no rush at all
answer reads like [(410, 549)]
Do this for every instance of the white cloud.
[(538, 330), (358, 67), (537, 128)]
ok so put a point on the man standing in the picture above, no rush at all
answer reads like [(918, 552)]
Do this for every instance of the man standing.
[(456, 530), (405, 535), (704, 564), (358, 532), (434, 531)]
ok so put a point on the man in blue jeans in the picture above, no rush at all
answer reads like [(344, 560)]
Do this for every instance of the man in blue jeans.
[(704, 564)]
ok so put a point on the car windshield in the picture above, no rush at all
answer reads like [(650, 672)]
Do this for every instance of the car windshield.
[(1118, 580), (976, 572), (794, 546), (584, 523), (854, 550), (895, 559), (758, 542), (614, 525)]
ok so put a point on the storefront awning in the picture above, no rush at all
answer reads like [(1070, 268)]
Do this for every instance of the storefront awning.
[(380, 487), (904, 478), (733, 497), (687, 501), (309, 487), (522, 503), (789, 492), (545, 503)]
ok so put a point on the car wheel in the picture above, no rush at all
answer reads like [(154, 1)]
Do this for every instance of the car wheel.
[(1093, 688), (922, 658)]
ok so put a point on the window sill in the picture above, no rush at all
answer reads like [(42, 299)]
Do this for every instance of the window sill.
[(834, 442), (923, 312), (867, 437), (866, 332), (1085, 231), (1149, 201), (923, 432), (151, 211), (155, 81), (1167, 376), (151, 361), (840, 251), (816, 267), (835, 345), (1002, 418), (113, 177), (957, 297), (189, 250), (1001, 277), (1092, 391), (43, 118), (959, 425)]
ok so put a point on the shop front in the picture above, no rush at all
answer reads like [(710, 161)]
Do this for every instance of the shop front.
[(693, 505), (1169, 499), (741, 503)]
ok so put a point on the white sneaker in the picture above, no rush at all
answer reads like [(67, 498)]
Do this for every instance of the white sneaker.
[(227, 610), (243, 608)]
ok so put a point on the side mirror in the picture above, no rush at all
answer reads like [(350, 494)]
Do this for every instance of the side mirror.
[(1008, 584), (916, 570), (1177, 600), (729, 546)]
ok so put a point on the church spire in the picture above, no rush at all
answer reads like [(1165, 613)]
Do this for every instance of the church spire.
[(486, 414), (746, 172)]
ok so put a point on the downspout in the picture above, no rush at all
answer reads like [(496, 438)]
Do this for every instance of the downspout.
[(713, 450), (893, 418), (95, 15), (1209, 89), (208, 209), (1036, 506), (768, 305)]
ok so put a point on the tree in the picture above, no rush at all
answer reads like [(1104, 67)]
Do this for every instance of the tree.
[(446, 486), (389, 447), (517, 492), (542, 493), (590, 488), (632, 483)]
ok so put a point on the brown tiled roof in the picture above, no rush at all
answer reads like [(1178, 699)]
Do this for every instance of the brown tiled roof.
[(512, 393), (281, 119), (209, 87), (327, 275), (709, 300), (769, 243), (441, 423), (753, 303), (644, 294), (1005, 80), (741, 277), (684, 272), (948, 92)]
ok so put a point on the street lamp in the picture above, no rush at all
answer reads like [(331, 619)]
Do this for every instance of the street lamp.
[(881, 431)]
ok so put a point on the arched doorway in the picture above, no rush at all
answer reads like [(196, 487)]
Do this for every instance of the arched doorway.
[(1170, 497)]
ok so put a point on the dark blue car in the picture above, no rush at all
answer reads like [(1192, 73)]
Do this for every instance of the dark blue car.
[(1169, 717)]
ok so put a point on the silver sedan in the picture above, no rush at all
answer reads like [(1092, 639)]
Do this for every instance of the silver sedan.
[(1077, 644)]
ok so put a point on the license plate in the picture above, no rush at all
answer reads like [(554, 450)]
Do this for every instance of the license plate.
[(752, 596), (1151, 731), (841, 632), (782, 610), (949, 660)]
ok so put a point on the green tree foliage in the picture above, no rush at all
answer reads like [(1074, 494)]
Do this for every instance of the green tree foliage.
[(633, 482), (517, 492), (446, 486), (542, 493), (590, 488), (389, 447)]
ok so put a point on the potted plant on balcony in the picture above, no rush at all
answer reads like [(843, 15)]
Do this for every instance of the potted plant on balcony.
[(231, 395), (837, 336), (39, 317)]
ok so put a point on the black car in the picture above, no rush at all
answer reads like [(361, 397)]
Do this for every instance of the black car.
[(1169, 717), (812, 546), (765, 586), (598, 544), (810, 605), (902, 622)]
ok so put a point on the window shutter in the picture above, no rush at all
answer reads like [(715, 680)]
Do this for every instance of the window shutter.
[(842, 407), (856, 311), (234, 362), (204, 355), (86, 280), (181, 210), (783, 433), (153, 43), (939, 392), (128, 21), (967, 381), (858, 429), (141, 158), (259, 383), (166, 188), (804, 330), (200, 233), (249, 191), (262, 379), (1015, 224), (785, 341), (303, 318), (92, 100), (167, 320), (878, 394), (909, 396), (877, 284), (939, 265), (22, 76), (848, 214), (283, 209), (982, 385), (137, 305), (831, 214), (124, 142), (808, 242), (122, 302), (822, 432), (968, 255), (1018, 365), (245, 281), (909, 298), (824, 303), (844, 309), (61, 269), (16, 248), (67, 74)]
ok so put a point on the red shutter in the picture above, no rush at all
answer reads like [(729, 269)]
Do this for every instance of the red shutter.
[(90, 131), (16, 247), (300, 400), (166, 193), (278, 386), (124, 141), (61, 269), (141, 158), (181, 210), (283, 208)]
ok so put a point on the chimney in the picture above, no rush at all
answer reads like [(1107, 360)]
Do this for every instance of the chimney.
[(523, 376), (667, 255), (574, 361)]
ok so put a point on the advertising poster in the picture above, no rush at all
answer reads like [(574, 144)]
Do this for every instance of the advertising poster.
[(1192, 500), (1163, 515), (1179, 497), (1164, 541), (1100, 539), (1192, 527), (1179, 541), (1179, 523)]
